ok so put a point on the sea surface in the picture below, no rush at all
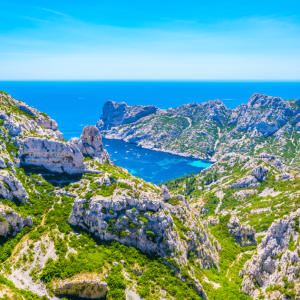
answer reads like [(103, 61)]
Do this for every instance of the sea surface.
[(74, 104), (151, 165)]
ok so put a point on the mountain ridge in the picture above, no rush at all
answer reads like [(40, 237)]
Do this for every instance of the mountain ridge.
[(210, 129)]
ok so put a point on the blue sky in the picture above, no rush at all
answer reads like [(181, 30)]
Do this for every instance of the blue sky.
[(150, 40)]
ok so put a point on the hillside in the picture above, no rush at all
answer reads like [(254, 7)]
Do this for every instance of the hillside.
[(254, 203), (208, 130), (75, 226)]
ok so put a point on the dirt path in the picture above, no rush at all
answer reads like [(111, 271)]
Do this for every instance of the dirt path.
[(237, 259), (216, 285), (220, 195)]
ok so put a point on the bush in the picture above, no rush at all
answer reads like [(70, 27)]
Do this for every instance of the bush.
[(174, 201), (88, 196), (143, 219), (150, 235)]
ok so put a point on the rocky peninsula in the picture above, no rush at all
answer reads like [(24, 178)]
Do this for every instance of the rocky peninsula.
[(209, 129)]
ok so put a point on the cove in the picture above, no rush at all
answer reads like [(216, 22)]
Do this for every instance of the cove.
[(151, 165)]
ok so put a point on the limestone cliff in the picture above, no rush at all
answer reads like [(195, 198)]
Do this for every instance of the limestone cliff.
[(210, 129), (117, 114)]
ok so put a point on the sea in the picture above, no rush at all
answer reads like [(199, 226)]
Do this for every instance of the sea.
[(75, 104)]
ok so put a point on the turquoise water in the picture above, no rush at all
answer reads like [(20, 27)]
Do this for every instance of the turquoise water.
[(151, 165), (74, 104)]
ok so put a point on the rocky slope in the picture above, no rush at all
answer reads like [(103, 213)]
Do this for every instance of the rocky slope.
[(74, 225), (209, 130), (251, 204), (71, 221)]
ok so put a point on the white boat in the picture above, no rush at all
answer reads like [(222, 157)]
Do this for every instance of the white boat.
[(116, 152), (126, 158), (106, 145), (127, 151)]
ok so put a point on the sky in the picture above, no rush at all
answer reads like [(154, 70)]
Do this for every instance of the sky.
[(150, 40)]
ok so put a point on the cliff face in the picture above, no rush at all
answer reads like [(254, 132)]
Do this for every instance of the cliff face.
[(148, 223), (38, 143), (117, 114), (264, 114), (209, 130), (176, 130)]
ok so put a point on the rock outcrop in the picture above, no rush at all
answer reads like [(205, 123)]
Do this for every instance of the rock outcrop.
[(247, 181), (147, 223), (11, 187), (276, 259), (244, 235), (88, 286), (260, 172), (117, 114), (53, 155), (165, 192), (11, 223), (90, 144), (276, 114)]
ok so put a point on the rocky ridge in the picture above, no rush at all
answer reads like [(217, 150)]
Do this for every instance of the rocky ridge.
[(209, 130)]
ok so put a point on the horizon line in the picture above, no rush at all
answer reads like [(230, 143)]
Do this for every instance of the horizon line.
[(153, 80)]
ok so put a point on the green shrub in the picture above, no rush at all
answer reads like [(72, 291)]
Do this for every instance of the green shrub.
[(174, 201), (143, 219)]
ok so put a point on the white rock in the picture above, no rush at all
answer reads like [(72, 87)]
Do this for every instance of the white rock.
[(165, 193), (55, 156), (246, 182)]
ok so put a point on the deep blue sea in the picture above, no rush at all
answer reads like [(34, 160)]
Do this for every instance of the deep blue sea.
[(74, 104)]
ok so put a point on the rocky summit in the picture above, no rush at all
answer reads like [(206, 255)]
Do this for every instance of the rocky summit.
[(75, 226)]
